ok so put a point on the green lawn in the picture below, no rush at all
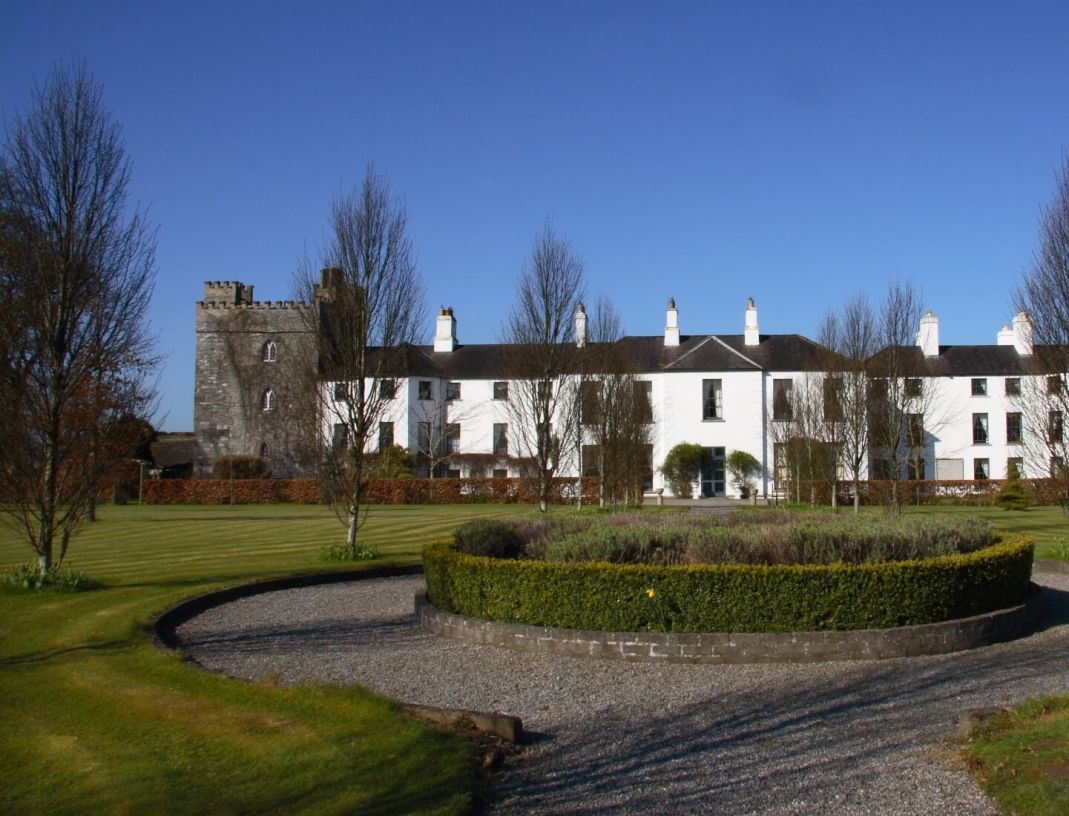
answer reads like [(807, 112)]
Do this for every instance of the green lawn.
[(1022, 758), (97, 719)]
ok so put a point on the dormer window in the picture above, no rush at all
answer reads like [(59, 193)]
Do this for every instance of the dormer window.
[(270, 352), (267, 400)]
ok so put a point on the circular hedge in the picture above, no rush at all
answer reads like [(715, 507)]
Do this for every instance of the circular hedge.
[(729, 597)]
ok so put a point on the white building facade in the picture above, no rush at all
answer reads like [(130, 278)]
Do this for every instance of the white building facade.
[(983, 408)]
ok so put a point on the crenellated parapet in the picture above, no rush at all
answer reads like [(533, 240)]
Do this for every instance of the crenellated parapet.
[(256, 304)]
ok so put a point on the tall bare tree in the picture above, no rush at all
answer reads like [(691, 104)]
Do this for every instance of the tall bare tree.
[(615, 411), (368, 312), (440, 438), (542, 356), (901, 395), (1043, 295), (77, 267), (851, 337)]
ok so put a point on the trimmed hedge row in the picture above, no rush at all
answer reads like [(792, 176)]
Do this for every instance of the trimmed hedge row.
[(976, 493), (377, 491), (230, 491), (728, 597)]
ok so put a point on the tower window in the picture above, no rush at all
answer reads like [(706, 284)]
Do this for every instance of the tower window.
[(267, 400), (270, 352)]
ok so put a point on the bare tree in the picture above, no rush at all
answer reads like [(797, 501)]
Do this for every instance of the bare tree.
[(439, 432), (796, 428), (616, 414), (1043, 297), (77, 267), (851, 339), (901, 395), (542, 356), (368, 313)]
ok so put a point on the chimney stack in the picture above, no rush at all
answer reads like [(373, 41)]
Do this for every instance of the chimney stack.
[(580, 326), (928, 336), (1007, 337), (671, 328), (1022, 333), (445, 337), (752, 335)]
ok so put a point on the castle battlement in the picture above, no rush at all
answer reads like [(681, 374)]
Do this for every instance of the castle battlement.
[(251, 305)]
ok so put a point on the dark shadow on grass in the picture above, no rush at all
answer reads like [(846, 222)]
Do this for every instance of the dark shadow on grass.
[(49, 654), (214, 518)]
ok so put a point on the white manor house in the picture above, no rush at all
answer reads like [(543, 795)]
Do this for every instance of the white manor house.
[(724, 392)]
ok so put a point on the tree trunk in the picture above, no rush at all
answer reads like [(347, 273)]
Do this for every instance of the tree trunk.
[(354, 513), (47, 531)]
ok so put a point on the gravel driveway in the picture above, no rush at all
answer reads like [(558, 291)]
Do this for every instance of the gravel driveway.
[(831, 738)]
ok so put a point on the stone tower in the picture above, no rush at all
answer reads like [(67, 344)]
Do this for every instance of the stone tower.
[(254, 387)]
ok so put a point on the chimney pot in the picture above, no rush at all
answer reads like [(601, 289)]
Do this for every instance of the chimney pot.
[(1022, 333), (751, 332), (928, 336), (580, 326), (671, 328), (445, 335)]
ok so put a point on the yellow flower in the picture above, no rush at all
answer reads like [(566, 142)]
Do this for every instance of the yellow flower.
[(650, 593)]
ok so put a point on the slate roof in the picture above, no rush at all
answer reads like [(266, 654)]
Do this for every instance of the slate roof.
[(173, 450), (721, 353), (969, 361), (647, 354)]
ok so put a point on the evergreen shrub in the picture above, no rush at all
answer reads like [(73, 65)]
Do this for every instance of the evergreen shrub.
[(732, 597)]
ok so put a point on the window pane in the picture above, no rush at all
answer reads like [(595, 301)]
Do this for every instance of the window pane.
[(341, 436), (1013, 427), (1013, 386), (424, 389), (385, 435), (712, 399), (979, 429), (643, 403), (781, 399), (590, 402), (979, 387), (501, 390), (833, 406), (501, 439), (452, 391), (916, 430), (981, 469)]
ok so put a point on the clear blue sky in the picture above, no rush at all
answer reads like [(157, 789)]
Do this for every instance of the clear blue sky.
[(708, 151)]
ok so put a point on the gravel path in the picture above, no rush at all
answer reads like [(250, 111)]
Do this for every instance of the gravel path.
[(831, 738)]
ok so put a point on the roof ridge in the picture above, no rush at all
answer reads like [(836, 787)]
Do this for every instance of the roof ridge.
[(689, 351), (739, 353)]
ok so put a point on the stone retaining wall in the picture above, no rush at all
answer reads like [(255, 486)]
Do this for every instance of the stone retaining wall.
[(723, 647)]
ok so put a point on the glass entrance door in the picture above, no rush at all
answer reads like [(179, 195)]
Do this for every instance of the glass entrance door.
[(712, 472)]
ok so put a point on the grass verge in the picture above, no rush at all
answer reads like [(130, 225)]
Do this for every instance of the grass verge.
[(1022, 758), (96, 719)]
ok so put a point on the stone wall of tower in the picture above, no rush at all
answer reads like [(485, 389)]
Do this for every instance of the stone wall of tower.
[(233, 374)]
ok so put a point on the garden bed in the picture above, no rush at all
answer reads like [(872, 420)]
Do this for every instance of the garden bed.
[(951, 571)]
